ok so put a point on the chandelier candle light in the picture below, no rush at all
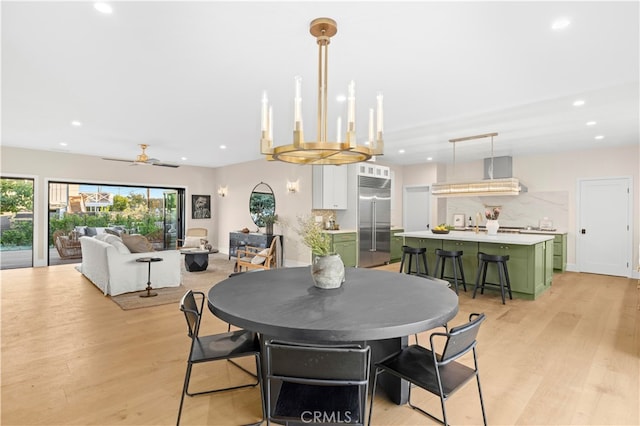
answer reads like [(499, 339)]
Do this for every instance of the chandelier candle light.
[(322, 151)]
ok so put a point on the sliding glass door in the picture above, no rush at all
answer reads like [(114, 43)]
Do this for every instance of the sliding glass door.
[(88, 209), (16, 223)]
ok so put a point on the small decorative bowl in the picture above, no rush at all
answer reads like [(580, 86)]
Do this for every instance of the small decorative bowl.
[(440, 232)]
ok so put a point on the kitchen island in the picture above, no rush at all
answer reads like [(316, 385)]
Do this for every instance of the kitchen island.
[(530, 256)]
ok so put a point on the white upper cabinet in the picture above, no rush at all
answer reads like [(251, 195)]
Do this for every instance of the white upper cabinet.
[(373, 170), (330, 187)]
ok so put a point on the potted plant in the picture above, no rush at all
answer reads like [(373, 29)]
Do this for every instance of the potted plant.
[(269, 220), (327, 269)]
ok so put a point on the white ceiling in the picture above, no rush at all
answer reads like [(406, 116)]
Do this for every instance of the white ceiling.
[(187, 77)]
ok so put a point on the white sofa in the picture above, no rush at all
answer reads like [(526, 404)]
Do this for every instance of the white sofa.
[(114, 270)]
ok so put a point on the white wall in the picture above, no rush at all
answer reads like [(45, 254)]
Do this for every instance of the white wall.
[(233, 210)]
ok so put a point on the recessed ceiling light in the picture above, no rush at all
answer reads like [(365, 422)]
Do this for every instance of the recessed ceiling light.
[(341, 98), (579, 102), (63, 144), (429, 158), (591, 123), (401, 151), (76, 123), (183, 158), (103, 8), (223, 147), (560, 24), (599, 137)]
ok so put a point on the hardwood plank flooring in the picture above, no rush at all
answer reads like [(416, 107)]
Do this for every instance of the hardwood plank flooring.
[(70, 356)]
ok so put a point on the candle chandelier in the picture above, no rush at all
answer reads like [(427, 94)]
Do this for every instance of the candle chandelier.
[(322, 151)]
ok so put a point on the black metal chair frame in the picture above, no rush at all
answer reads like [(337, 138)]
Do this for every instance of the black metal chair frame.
[(456, 259), (503, 273), (310, 374), (216, 347), (441, 375), (420, 252)]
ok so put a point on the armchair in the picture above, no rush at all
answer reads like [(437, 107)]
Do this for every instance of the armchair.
[(257, 257)]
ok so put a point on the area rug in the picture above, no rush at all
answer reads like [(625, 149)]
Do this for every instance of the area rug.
[(219, 269)]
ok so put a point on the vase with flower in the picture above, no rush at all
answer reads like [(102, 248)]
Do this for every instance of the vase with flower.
[(327, 268), (492, 220)]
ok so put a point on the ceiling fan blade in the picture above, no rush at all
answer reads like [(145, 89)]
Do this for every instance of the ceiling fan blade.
[(175, 166), (118, 159)]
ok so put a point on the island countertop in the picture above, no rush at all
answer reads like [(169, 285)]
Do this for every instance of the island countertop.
[(481, 237)]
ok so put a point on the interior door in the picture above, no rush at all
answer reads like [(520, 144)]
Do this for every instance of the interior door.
[(416, 210), (603, 237)]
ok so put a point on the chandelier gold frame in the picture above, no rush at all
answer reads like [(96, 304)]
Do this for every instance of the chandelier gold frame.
[(322, 151)]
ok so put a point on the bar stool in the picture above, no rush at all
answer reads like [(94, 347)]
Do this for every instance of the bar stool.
[(418, 253), (503, 273), (456, 259)]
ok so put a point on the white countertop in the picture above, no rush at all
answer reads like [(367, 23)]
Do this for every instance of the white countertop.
[(535, 231), (339, 231), (482, 237)]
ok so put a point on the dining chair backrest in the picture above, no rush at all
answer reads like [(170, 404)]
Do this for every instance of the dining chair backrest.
[(461, 339), (318, 364), (192, 312)]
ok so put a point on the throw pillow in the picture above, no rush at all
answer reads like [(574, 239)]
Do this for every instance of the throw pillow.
[(91, 231), (137, 243), (259, 260), (112, 232), (191, 242), (119, 245), (102, 237)]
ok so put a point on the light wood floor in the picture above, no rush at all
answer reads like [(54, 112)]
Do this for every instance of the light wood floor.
[(70, 356)]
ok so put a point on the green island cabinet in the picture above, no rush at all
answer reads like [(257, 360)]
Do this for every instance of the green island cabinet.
[(396, 245), (431, 245), (560, 252), (346, 245), (530, 266)]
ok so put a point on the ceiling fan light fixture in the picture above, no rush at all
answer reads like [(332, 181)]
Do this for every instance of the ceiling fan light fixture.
[(322, 151)]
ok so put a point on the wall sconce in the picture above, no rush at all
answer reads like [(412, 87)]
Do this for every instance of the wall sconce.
[(293, 187), (222, 191)]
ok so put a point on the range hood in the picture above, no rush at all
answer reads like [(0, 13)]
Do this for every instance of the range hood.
[(498, 179)]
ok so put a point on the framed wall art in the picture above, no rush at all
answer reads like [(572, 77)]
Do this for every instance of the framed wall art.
[(201, 206)]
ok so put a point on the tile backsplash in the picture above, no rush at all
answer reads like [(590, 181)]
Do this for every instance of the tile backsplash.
[(526, 209)]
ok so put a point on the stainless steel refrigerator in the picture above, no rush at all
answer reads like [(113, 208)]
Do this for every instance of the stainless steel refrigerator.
[(374, 221)]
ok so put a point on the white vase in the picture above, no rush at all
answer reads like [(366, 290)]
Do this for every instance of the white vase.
[(327, 271), (492, 227)]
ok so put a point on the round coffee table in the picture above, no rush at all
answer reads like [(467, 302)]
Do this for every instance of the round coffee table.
[(196, 260)]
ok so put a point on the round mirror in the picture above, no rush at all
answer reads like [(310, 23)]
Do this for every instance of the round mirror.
[(262, 203)]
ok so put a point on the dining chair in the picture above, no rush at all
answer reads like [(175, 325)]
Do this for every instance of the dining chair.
[(215, 347), (317, 384), (441, 375)]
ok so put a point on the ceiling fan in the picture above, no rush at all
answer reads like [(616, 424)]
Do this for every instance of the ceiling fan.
[(143, 159)]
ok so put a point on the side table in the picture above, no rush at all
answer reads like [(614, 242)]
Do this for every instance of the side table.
[(149, 261)]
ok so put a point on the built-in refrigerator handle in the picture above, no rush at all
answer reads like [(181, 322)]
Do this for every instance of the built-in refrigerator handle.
[(374, 243)]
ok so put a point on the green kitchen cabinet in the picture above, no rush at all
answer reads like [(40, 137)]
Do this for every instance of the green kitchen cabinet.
[(560, 252), (345, 244), (529, 266), (396, 245), (431, 245), (469, 260)]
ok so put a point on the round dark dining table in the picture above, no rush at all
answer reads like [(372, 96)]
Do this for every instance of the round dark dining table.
[(378, 307)]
